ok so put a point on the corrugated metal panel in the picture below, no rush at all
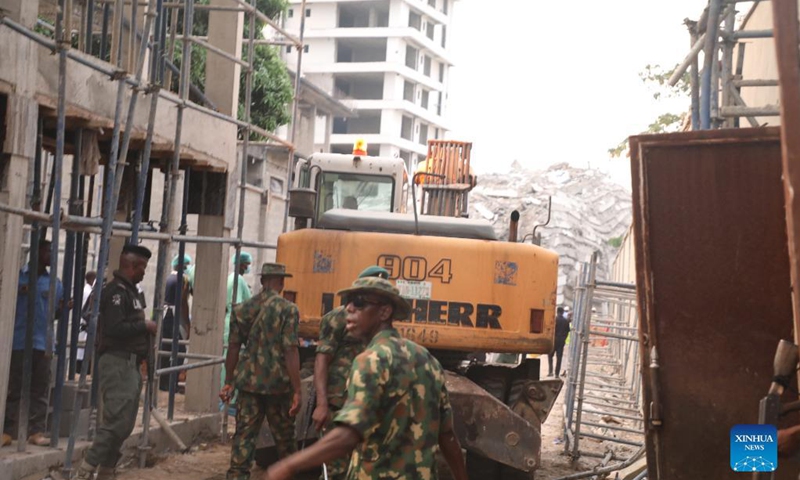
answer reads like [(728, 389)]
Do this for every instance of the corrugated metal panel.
[(714, 290)]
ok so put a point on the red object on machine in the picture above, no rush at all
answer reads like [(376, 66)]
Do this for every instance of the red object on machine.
[(360, 147)]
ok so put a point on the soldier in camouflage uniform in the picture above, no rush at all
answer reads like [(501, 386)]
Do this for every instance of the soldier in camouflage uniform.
[(335, 353), (397, 416), (267, 374)]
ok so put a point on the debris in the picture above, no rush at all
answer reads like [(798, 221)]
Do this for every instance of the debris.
[(610, 419), (590, 212)]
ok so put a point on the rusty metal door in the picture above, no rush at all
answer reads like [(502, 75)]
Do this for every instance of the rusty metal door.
[(713, 288)]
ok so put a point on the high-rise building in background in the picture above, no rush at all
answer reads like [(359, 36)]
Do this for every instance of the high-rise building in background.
[(385, 59)]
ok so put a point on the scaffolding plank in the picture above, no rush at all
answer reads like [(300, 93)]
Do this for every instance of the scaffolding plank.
[(711, 259)]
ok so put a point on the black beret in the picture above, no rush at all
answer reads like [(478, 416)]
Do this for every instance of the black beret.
[(139, 250)]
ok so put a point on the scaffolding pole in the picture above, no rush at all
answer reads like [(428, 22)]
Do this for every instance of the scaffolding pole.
[(295, 107), (584, 339), (110, 206), (716, 91), (76, 208), (78, 228), (172, 180)]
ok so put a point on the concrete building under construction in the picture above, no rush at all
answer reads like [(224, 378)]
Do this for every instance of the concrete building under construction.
[(106, 139)]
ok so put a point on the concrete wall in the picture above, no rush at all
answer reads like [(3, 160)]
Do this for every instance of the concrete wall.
[(398, 14), (391, 120), (393, 85), (92, 96), (322, 80), (320, 51), (396, 51), (323, 15), (760, 63), (623, 269)]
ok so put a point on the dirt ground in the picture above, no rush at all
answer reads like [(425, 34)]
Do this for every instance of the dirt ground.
[(209, 461)]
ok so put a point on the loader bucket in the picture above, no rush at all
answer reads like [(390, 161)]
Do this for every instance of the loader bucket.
[(486, 426)]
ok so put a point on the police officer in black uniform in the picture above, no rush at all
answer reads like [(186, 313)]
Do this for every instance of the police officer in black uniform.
[(123, 340)]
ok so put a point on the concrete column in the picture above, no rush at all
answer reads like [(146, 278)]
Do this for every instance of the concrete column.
[(373, 17), (208, 314), (18, 150), (225, 31), (305, 131), (398, 14), (328, 133), (130, 52)]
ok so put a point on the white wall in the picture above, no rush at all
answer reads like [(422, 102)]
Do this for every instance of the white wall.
[(398, 14), (323, 15), (391, 120), (396, 51), (393, 85), (760, 63), (321, 51)]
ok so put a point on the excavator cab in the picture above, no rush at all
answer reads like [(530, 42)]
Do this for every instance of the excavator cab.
[(328, 181)]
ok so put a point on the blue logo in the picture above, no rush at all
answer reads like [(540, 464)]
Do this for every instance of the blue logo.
[(754, 448)]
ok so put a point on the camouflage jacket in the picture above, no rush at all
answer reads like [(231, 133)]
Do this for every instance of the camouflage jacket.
[(398, 402), (265, 326), (334, 341)]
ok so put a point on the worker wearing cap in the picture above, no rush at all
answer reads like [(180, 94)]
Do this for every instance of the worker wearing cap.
[(243, 294), (335, 353), (266, 374), (397, 416), (124, 340), (168, 323)]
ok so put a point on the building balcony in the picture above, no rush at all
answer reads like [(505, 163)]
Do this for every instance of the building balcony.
[(419, 39), (375, 67), (423, 7), (428, 116)]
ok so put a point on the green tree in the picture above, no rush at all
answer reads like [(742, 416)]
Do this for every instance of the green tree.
[(658, 81), (272, 87), (615, 242)]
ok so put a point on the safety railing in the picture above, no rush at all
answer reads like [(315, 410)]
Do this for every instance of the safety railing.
[(603, 392)]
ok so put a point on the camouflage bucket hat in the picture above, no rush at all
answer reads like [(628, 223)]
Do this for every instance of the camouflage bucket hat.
[(274, 270), (384, 288)]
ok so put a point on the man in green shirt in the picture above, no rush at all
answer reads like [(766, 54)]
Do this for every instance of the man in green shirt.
[(243, 294), (397, 416)]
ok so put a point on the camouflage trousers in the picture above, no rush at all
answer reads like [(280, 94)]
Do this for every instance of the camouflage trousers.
[(337, 469), (252, 408)]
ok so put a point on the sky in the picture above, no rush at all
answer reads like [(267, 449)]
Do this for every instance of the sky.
[(545, 82)]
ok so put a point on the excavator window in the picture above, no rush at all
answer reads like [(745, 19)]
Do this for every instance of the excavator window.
[(356, 191)]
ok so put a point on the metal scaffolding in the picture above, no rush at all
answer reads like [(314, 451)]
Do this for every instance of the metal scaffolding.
[(152, 44), (603, 379), (716, 87)]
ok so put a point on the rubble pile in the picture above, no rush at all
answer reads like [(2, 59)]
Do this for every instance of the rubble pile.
[(589, 212)]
